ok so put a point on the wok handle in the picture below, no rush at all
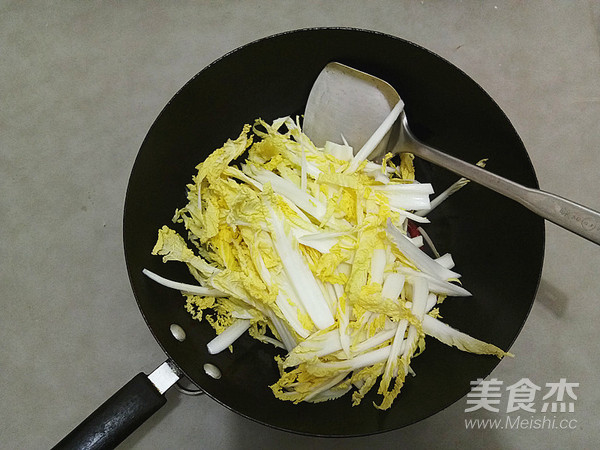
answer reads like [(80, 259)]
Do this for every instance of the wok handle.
[(120, 415)]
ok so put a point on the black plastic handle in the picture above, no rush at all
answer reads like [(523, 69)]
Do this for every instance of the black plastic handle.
[(116, 418)]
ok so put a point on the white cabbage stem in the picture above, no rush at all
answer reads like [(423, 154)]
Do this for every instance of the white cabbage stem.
[(184, 287), (228, 336)]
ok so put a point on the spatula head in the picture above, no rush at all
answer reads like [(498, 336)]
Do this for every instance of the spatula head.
[(345, 101)]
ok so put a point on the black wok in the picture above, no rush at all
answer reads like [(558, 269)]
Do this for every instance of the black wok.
[(497, 244)]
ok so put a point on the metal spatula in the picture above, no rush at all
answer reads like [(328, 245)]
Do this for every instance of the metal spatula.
[(345, 101)]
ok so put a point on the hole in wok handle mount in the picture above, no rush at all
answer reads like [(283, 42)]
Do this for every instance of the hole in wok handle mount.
[(186, 387), (177, 332)]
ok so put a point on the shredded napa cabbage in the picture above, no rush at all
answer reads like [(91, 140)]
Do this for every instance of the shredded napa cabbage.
[(306, 249)]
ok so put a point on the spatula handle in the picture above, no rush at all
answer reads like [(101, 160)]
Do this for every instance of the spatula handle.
[(572, 216)]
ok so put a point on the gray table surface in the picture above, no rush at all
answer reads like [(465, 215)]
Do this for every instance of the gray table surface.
[(81, 83)]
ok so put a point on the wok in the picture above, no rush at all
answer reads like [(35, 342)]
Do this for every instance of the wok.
[(497, 244)]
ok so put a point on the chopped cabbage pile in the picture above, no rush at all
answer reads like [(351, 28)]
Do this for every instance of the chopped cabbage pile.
[(306, 249)]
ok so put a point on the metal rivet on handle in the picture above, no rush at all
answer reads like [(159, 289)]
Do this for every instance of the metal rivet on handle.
[(177, 332), (212, 371)]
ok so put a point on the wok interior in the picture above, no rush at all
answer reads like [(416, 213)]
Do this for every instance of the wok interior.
[(497, 244)]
